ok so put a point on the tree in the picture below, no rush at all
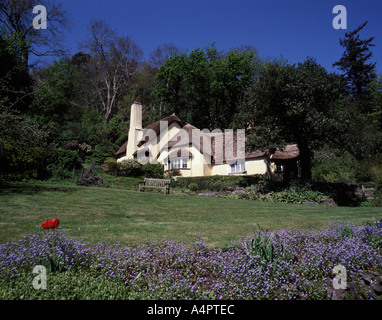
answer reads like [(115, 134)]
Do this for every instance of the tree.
[(169, 91), (25, 147), (359, 74), (141, 87), (363, 138), (15, 82), (114, 60), (15, 18), (55, 92), (294, 104), (206, 87), (234, 74), (162, 52)]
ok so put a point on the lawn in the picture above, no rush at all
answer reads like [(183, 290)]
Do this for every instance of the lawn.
[(105, 214)]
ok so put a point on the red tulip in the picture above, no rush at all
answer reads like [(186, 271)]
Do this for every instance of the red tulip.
[(47, 224)]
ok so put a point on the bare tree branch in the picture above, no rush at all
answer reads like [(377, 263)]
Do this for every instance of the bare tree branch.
[(114, 62), (16, 17)]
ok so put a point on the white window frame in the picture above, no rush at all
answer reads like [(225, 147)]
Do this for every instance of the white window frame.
[(237, 167), (178, 163)]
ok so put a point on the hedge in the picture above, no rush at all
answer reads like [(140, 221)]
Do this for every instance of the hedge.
[(217, 183)]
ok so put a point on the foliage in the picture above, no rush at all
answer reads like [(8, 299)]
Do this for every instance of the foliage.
[(294, 195), (25, 147), (256, 188), (261, 247), (38, 43), (300, 103), (89, 177), (102, 151), (173, 173), (378, 193), (217, 183), (15, 82), (359, 74), (193, 186), (66, 286), (206, 86), (153, 170), (55, 89), (287, 264), (344, 167), (338, 167), (363, 138), (110, 166), (130, 168)]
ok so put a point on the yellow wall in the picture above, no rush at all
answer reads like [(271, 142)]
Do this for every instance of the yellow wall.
[(220, 169), (256, 166), (252, 166)]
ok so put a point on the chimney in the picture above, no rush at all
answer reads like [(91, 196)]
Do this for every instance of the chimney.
[(135, 127)]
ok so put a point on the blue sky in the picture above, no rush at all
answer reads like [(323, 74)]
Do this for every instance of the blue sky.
[(294, 29)]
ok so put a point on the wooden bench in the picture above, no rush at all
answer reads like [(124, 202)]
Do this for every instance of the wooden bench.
[(155, 184)]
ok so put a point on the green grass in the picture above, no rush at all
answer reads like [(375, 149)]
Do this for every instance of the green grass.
[(105, 214)]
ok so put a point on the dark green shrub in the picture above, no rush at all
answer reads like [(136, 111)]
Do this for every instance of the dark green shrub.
[(363, 172), (173, 173), (378, 194), (89, 177), (130, 168), (193, 187), (63, 164), (333, 171), (66, 159), (298, 196), (344, 194), (58, 173), (218, 183), (110, 166), (101, 152), (153, 170)]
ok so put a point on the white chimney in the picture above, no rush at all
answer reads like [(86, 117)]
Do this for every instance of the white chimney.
[(135, 127)]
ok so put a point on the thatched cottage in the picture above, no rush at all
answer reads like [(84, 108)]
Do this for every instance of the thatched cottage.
[(196, 152)]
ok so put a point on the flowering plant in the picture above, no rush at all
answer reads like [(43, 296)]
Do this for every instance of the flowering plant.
[(52, 263), (48, 224), (85, 147)]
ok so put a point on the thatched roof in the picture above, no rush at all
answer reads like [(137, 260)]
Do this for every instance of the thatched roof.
[(156, 126), (255, 154), (214, 144), (220, 142), (122, 149), (188, 128), (289, 152)]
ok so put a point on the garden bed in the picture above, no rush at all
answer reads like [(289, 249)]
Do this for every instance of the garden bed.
[(288, 264)]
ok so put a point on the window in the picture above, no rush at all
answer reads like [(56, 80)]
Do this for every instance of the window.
[(238, 166), (177, 163), (279, 168)]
